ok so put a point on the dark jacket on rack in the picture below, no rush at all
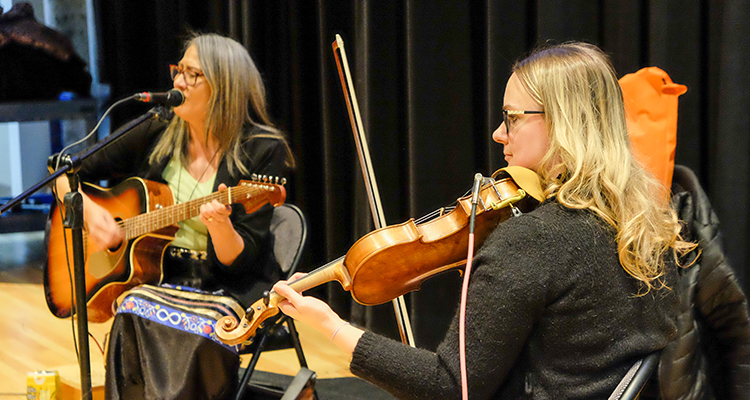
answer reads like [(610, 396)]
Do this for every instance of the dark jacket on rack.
[(37, 62), (710, 359)]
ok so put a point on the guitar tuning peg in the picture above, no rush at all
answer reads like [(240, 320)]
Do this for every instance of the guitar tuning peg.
[(283, 181), (265, 178), (254, 177)]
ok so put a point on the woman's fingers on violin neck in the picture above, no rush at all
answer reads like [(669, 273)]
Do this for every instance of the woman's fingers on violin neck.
[(284, 290), (288, 308), (296, 276)]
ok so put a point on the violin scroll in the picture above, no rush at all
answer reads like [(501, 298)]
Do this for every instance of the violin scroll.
[(232, 332)]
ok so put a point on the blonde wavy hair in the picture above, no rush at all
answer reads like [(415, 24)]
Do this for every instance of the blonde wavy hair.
[(589, 164), (238, 97)]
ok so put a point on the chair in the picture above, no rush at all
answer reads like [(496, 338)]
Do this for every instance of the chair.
[(631, 385), (288, 236)]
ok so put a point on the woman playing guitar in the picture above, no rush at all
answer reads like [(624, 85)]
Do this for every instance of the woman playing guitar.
[(218, 137)]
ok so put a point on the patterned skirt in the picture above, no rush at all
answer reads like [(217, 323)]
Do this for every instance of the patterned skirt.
[(163, 345)]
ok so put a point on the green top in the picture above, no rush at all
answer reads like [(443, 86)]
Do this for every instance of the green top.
[(193, 233)]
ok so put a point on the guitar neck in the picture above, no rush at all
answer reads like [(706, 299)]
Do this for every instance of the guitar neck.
[(170, 215)]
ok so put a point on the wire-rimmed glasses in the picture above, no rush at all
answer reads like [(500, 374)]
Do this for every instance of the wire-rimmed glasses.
[(506, 118)]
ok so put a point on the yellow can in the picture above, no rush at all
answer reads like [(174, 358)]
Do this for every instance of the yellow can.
[(43, 385)]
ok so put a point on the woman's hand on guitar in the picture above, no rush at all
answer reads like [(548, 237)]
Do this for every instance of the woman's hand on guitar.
[(101, 226), (215, 214), (228, 244)]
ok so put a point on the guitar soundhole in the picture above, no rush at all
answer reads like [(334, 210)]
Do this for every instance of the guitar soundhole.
[(117, 247)]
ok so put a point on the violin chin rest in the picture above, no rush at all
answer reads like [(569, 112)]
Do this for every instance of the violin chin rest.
[(525, 178)]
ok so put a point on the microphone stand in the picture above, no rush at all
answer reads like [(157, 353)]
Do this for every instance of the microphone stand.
[(73, 202)]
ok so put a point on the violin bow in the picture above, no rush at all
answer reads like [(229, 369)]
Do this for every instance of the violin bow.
[(355, 119)]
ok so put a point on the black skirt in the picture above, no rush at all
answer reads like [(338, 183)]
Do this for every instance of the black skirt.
[(163, 345)]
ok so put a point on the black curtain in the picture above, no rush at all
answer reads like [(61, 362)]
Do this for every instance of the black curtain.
[(430, 78)]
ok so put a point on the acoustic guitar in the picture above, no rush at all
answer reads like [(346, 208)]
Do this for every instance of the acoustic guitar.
[(148, 216)]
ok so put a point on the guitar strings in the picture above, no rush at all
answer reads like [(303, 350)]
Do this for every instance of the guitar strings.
[(149, 221), (144, 223)]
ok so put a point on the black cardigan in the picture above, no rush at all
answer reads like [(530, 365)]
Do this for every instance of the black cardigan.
[(551, 314), (254, 270)]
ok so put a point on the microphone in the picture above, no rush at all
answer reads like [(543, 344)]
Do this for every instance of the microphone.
[(478, 181), (172, 98)]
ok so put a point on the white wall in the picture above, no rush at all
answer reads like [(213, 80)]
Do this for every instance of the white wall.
[(25, 147), (8, 147)]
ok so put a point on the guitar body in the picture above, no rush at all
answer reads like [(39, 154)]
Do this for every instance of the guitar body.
[(109, 272)]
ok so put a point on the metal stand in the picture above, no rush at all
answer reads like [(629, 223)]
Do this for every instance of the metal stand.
[(74, 220)]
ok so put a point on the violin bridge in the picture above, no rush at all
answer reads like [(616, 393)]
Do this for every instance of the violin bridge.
[(484, 205)]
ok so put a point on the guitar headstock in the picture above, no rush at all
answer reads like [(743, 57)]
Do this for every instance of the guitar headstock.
[(260, 190)]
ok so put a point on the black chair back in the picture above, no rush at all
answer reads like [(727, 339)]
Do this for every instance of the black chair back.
[(631, 385), (288, 237)]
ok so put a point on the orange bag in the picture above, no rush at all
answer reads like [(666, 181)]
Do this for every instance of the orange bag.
[(651, 110)]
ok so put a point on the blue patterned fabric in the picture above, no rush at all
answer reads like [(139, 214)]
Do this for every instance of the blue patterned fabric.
[(183, 308)]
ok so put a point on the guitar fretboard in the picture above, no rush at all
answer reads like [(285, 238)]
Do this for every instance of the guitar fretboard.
[(170, 215)]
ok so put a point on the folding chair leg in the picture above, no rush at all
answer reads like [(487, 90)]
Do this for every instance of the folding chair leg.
[(257, 349), (296, 342), (303, 381)]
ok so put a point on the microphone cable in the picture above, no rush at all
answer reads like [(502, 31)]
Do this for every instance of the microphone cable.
[(465, 288), (88, 136)]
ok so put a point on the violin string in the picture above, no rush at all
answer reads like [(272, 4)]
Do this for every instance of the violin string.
[(434, 214)]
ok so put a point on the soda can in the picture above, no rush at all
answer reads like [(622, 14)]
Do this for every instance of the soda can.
[(43, 385)]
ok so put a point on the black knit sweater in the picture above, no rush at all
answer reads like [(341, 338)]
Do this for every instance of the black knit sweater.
[(551, 314)]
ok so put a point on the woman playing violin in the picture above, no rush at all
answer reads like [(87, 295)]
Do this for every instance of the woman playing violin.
[(219, 136), (562, 300)]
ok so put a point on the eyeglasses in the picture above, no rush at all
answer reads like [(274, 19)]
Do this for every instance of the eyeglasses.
[(507, 113), (191, 76)]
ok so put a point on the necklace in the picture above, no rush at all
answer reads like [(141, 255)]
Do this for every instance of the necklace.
[(197, 182)]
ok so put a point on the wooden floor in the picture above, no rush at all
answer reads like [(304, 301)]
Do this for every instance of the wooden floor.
[(32, 339)]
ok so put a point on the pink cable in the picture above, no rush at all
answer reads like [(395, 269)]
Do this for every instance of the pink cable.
[(462, 321)]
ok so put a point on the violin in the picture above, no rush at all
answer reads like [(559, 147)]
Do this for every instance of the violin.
[(395, 260)]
